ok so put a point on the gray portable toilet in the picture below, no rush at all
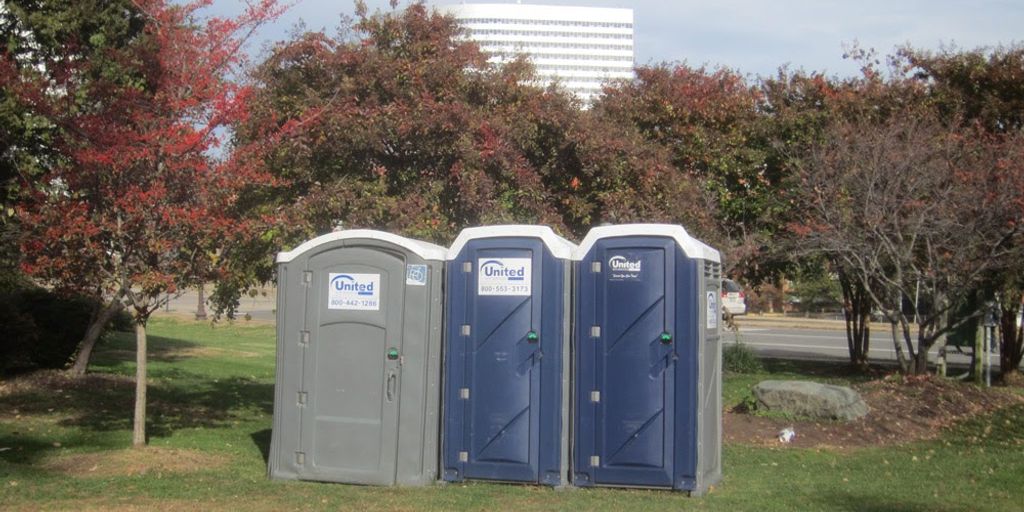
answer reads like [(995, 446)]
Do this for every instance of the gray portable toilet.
[(506, 391), (648, 400), (357, 393)]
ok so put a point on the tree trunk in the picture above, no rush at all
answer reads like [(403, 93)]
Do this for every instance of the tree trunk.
[(978, 359), (857, 313), (920, 366), (139, 426), (92, 335), (1011, 341), (901, 358)]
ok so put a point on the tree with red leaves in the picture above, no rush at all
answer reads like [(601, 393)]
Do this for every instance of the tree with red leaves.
[(708, 119), (417, 134), (140, 201)]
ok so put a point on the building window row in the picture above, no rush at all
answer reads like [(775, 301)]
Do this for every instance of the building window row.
[(565, 56), (545, 33), (603, 69), (578, 88), (560, 23), (526, 46), (588, 90)]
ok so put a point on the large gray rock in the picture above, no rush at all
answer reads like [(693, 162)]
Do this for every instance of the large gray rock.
[(804, 398)]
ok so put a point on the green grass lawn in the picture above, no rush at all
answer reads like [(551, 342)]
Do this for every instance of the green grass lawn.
[(63, 445)]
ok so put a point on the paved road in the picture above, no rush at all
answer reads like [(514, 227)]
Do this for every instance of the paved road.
[(778, 337), (821, 343), (262, 307)]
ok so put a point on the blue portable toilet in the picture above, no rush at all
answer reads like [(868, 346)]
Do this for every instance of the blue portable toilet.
[(647, 359), (507, 337)]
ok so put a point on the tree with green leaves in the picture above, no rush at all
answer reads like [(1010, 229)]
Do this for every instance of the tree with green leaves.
[(984, 88), (907, 207), (797, 109)]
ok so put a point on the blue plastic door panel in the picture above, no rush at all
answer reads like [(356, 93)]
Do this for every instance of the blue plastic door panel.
[(349, 425), (493, 362), (627, 363)]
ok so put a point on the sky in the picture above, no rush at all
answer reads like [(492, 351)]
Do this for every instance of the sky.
[(752, 36)]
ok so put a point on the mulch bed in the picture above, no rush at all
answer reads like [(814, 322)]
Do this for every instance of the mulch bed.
[(902, 410)]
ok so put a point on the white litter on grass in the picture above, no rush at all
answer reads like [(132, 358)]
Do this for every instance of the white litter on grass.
[(787, 435)]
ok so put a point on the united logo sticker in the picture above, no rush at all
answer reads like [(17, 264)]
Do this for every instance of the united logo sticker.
[(353, 291), (504, 276), (624, 267)]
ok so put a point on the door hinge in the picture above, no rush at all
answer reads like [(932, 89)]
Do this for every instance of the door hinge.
[(467, 266), (595, 331), (595, 396), (595, 461), (300, 458), (463, 456), (302, 396), (304, 338), (595, 267), (307, 277), (464, 393), (465, 329)]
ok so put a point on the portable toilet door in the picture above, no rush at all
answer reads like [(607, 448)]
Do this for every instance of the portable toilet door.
[(507, 355), (647, 359), (357, 396)]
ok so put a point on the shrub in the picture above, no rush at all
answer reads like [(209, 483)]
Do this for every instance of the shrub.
[(42, 329), (19, 337), (739, 358), (122, 322)]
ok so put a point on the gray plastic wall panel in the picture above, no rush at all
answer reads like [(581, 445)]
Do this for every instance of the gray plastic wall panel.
[(285, 439), (709, 461), (418, 411)]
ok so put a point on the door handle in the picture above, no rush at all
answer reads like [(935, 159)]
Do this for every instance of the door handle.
[(392, 378)]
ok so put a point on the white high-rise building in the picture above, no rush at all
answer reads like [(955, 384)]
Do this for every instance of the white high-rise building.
[(579, 47)]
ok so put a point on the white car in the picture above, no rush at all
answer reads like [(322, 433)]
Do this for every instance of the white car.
[(734, 302)]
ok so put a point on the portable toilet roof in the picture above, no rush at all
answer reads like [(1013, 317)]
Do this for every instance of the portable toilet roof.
[(425, 250), (694, 249), (559, 247)]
